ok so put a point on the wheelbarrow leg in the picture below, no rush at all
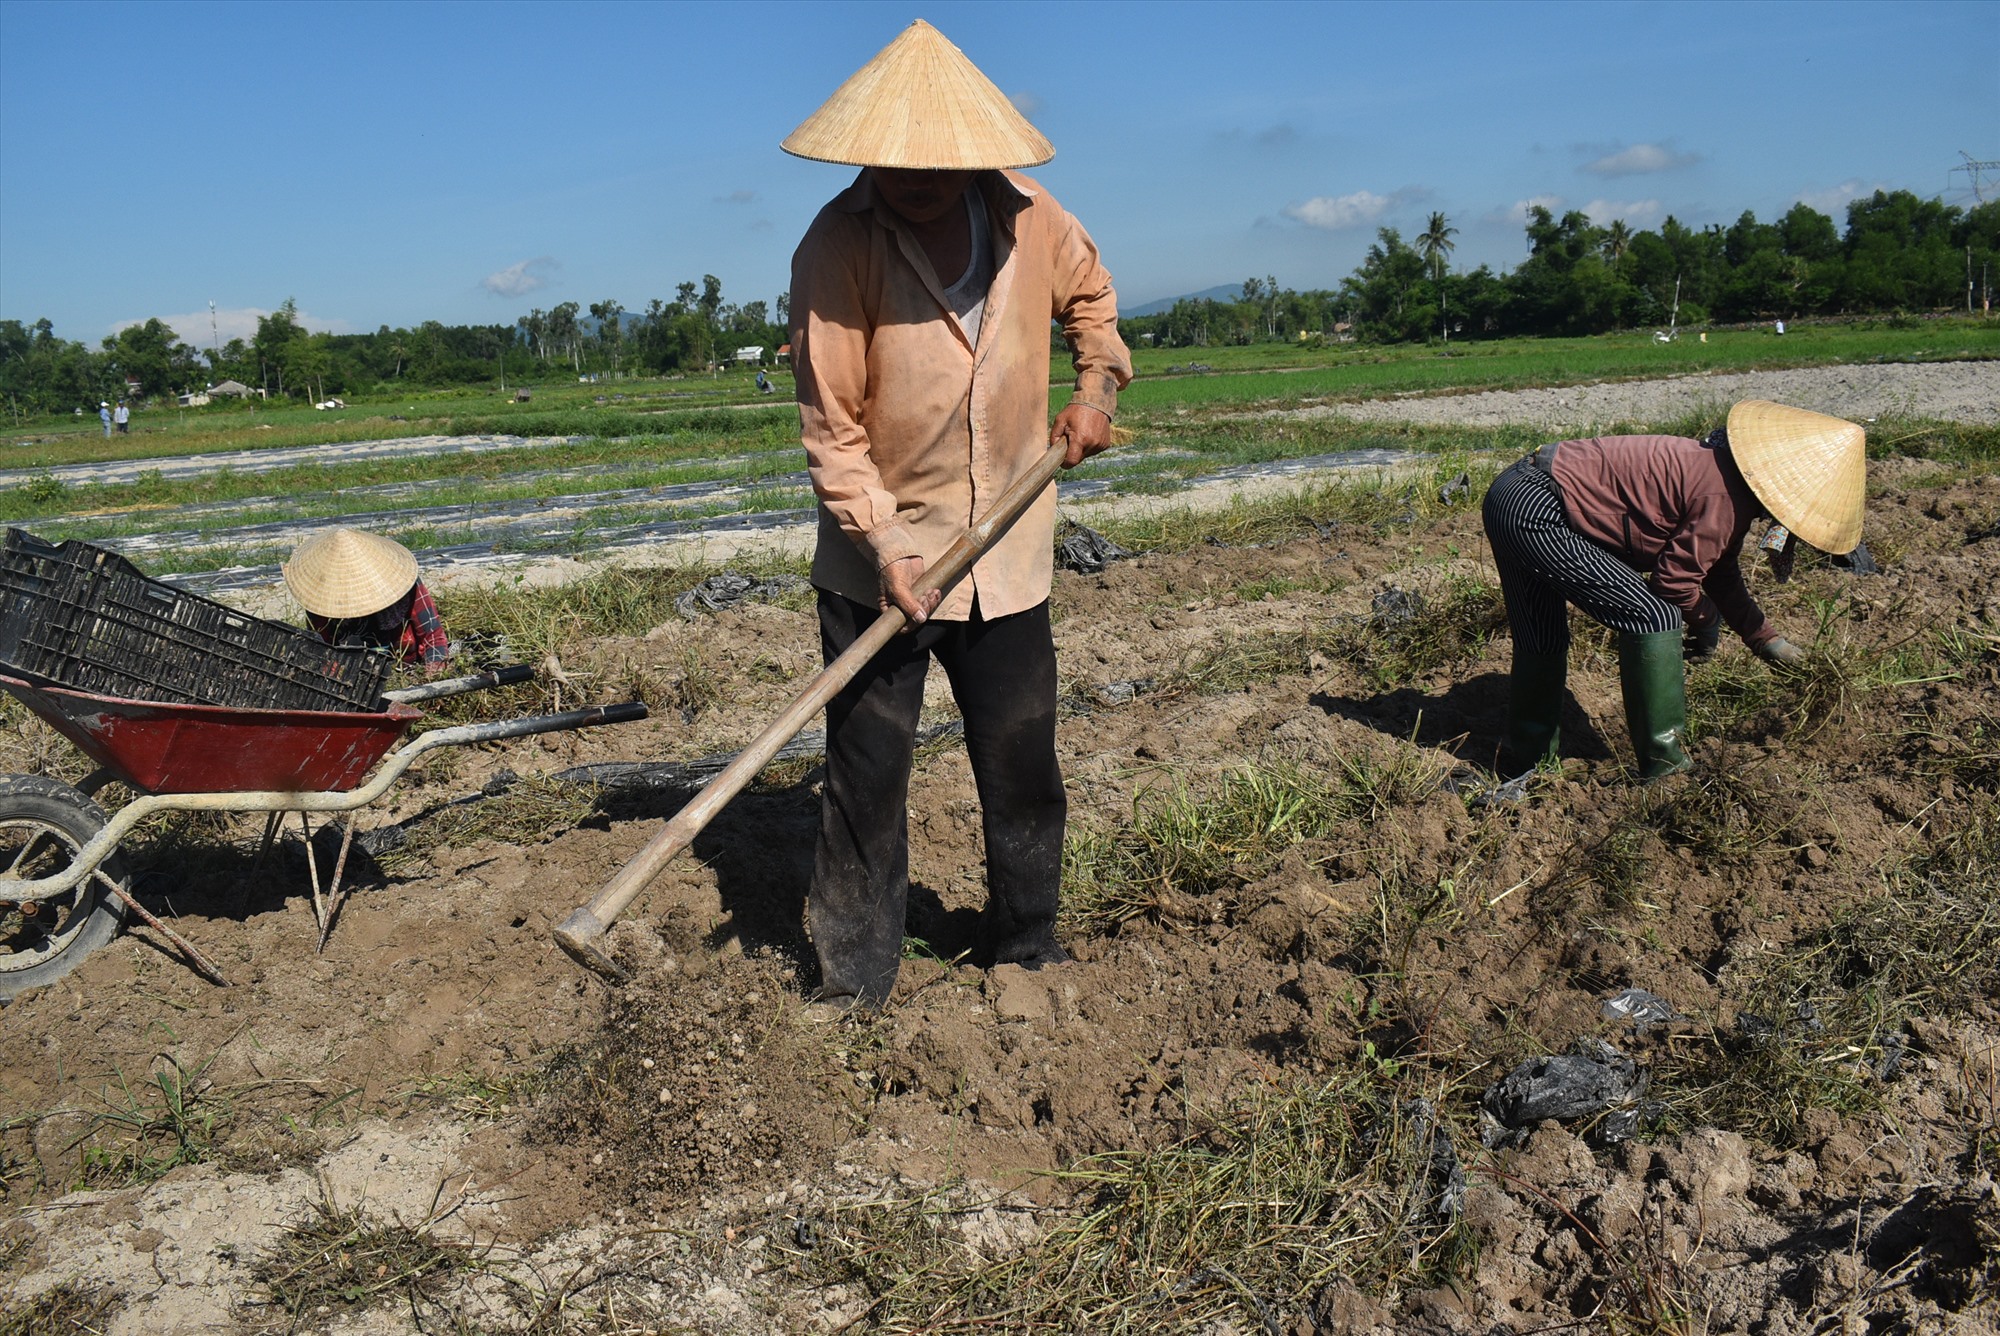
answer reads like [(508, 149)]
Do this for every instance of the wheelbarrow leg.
[(197, 959), (312, 873), (271, 821), (334, 895)]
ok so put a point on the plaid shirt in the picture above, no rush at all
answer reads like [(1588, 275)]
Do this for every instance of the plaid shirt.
[(410, 627)]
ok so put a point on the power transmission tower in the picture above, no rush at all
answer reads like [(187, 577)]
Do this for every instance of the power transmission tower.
[(1982, 178)]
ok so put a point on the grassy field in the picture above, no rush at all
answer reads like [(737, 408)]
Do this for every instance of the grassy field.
[(649, 406), (613, 451)]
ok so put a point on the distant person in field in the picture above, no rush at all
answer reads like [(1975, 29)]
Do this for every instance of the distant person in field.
[(764, 385), (104, 416), (362, 589), (121, 417), (1644, 534), (921, 302)]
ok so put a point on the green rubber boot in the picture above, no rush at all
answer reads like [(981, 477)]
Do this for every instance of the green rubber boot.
[(1649, 670), (1534, 710)]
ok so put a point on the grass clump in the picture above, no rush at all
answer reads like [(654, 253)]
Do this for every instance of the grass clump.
[(1409, 634), (531, 810), (1249, 1222), (341, 1259), (1820, 1022), (1188, 848), (70, 1307), (175, 1116)]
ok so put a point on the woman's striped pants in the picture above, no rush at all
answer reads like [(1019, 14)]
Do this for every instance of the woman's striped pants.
[(1544, 564)]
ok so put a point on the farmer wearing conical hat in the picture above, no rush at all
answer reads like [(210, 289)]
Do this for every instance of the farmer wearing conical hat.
[(1643, 533), (362, 589), (921, 300)]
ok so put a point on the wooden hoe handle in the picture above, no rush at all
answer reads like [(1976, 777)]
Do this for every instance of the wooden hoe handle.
[(578, 933)]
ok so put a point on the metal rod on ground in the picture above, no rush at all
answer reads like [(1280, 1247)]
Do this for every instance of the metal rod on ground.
[(580, 933), (195, 958)]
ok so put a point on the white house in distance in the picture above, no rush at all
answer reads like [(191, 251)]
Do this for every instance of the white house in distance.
[(751, 353)]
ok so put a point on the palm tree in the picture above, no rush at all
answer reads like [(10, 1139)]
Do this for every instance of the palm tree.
[(1617, 240), (1435, 245)]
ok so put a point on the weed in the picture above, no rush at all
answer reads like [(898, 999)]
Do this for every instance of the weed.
[(1419, 635), (175, 1116), (340, 1258), (1816, 1019), (1187, 849), (476, 1095), (532, 809), (1245, 1223), (62, 1309)]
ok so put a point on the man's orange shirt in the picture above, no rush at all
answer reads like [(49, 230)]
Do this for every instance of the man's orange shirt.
[(910, 431)]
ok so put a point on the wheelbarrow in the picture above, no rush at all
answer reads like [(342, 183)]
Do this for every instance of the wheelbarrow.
[(64, 890)]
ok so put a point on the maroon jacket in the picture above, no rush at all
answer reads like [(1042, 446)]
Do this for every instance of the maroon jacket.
[(1672, 507)]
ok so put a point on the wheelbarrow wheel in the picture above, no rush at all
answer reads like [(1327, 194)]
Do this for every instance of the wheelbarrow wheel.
[(42, 825)]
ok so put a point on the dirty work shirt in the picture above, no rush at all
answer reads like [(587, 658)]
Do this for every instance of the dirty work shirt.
[(912, 431), (410, 628), (1673, 507)]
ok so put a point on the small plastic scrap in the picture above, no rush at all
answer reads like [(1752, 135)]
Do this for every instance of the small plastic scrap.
[(1591, 1078), (1456, 488), (1392, 607), (1086, 551), (1858, 562), (1640, 1009), (729, 589)]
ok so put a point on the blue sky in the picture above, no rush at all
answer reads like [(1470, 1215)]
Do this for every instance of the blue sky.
[(387, 163)]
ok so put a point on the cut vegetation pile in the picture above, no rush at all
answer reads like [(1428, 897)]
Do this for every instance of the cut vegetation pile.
[(1309, 937)]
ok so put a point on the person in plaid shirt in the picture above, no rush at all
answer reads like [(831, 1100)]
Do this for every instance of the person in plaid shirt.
[(362, 589)]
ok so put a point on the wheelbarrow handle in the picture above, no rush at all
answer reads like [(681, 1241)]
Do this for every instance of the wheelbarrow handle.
[(591, 717), (458, 686), (579, 933)]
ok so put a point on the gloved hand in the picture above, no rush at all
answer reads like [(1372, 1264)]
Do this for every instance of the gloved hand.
[(1700, 642), (1781, 653)]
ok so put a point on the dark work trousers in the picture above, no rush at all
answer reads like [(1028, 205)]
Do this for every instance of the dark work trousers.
[(1545, 563), (1003, 674)]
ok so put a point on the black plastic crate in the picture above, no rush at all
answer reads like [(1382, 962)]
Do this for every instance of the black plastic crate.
[(83, 617)]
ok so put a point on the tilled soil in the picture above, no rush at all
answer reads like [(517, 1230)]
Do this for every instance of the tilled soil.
[(655, 1157)]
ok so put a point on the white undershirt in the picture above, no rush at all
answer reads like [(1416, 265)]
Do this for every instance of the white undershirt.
[(967, 296)]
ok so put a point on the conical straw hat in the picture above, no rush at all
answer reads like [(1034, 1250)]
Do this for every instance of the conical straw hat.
[(1809, 470), (920, 103), (348, 573)]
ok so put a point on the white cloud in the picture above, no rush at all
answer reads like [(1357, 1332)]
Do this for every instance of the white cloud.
[(1028, 104), (1834, 200), (1516, 214), (235, 323), (1637, 213), (518, 280), (1637, 159), (1332, 213)]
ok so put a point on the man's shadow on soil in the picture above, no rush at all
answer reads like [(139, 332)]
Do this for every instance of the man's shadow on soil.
[(760, 848), (1467, 720)]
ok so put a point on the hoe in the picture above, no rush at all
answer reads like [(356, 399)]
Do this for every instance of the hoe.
[(582, 933)]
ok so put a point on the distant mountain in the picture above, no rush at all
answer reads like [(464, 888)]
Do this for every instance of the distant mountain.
[(1221, 292)]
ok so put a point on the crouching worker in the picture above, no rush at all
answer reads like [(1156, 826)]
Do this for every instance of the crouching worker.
[(1643, 533), (362, 589), (921, 301)]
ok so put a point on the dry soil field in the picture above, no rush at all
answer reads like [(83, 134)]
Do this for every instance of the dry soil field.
[(1306, 942)]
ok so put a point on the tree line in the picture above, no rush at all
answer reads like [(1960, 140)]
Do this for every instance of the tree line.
[(1899, 253), (43, 372)]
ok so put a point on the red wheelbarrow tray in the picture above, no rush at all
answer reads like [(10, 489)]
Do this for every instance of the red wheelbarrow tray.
[(159, 747)]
